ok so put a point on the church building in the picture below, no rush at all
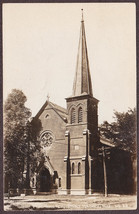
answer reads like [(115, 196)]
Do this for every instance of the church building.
[(70, 138)]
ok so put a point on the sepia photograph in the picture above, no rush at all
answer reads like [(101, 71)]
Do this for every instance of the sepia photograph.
[(69, 106)]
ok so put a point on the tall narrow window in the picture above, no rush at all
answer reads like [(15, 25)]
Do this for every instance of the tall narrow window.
[(59, 182), (73, 115), (32, 182), (79, 168), (80, 115), (73, 168)]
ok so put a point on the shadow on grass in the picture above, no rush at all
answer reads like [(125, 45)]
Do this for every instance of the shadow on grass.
[(43, 201), (14, 199), (6, 204), (34, 208)]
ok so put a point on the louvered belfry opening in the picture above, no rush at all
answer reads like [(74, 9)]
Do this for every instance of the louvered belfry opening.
[(80, 115), (73, 116)]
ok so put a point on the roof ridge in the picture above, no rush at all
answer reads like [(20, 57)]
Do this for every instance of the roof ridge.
[(57, 112), (62, 109)]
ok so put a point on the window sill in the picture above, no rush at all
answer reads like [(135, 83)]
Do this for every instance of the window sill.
[(75, 175), (76, 124)]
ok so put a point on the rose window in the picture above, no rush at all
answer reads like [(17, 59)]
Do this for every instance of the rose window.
[(47, 139)]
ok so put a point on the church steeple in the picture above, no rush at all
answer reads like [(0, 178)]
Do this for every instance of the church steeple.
[(82, 82), (81, 136)]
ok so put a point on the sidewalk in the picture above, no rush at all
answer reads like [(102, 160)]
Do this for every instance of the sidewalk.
[(70, 202)]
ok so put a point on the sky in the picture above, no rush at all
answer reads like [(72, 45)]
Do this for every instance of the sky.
[(40, 43)]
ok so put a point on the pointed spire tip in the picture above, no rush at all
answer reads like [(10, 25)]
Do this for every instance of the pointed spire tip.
[(82, 15)]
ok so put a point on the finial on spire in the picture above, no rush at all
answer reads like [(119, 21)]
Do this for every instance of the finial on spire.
[(48, 97), (82, 15)]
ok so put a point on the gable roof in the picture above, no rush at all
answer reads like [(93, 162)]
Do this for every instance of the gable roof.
[(62, 112), (59, 108)]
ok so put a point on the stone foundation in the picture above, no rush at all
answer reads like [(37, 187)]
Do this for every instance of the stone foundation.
[(62, 192), (78, 192), (75, 192)]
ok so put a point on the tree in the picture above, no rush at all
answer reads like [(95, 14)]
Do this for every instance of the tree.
[(20, 138), (122, 131), (34, 153)]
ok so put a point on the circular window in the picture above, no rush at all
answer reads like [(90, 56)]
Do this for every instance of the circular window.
[(47, 139)]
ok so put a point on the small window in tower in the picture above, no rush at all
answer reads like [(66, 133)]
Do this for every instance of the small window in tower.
[(32, 182), (73, 116), (80, 115), (73, 168), (79, 168)]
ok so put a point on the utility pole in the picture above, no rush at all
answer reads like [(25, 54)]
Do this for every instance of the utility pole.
[(28, 168), (105, 172), (103, 152), (27, 141)]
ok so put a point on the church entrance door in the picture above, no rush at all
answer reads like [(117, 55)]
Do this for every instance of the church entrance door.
[(45, 180)]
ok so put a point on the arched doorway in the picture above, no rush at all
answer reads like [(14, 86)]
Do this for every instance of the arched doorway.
[(45, 180)]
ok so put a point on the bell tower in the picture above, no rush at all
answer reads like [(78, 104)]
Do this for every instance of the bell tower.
[(82, 128)]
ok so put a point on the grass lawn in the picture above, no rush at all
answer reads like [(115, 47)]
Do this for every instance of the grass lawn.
[(70, 202)]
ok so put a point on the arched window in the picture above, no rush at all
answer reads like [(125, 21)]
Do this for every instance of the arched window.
[(32, 182), (80, 115), (79, 168), (59, 182), (73, 168), (73, 115)]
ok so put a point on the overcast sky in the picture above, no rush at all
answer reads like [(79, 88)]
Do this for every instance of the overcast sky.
[(40, 43)]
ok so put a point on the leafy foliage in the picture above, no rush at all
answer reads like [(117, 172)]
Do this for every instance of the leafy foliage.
[(20, 138), (122, 131)]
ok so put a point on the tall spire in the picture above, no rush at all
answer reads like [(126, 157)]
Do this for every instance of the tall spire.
[(82, 82)]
